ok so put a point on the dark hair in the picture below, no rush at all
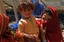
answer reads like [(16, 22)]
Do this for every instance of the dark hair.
[(25, 6), (47, 11)]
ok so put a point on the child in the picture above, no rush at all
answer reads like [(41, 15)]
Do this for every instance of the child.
[(27, 24), (50, 20)]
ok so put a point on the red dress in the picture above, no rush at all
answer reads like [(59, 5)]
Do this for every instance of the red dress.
[(53, 30)]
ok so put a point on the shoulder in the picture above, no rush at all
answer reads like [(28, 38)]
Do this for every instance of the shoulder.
[(22, 21), (34, 17)]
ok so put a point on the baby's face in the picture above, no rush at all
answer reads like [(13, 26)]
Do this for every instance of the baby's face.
[(27, 13)]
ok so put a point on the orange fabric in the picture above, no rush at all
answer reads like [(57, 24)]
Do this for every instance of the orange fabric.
[(28, 26)]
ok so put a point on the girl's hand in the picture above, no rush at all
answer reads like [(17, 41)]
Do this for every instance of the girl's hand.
[(43, 30)]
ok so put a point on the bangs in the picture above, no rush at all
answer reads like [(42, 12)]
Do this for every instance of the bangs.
[(30, 6), (23, 6), (26, 6)]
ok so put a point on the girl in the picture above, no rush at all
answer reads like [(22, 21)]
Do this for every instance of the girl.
[(50, 22)]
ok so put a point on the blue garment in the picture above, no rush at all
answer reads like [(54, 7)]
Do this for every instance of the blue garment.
[(14, 26), (38, 10), (35, 2)]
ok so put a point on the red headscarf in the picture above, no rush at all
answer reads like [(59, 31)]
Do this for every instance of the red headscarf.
[(4, 20), (53, 30), (54, 24)]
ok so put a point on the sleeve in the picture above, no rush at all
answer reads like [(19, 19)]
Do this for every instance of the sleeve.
[(21, 27)]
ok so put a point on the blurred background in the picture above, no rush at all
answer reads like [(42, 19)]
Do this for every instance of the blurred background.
[(11, 9)]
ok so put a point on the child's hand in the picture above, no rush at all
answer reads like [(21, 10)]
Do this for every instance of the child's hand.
[(19, 36)]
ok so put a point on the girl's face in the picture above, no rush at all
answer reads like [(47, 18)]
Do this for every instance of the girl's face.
[(27, 13), (46, 18)]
